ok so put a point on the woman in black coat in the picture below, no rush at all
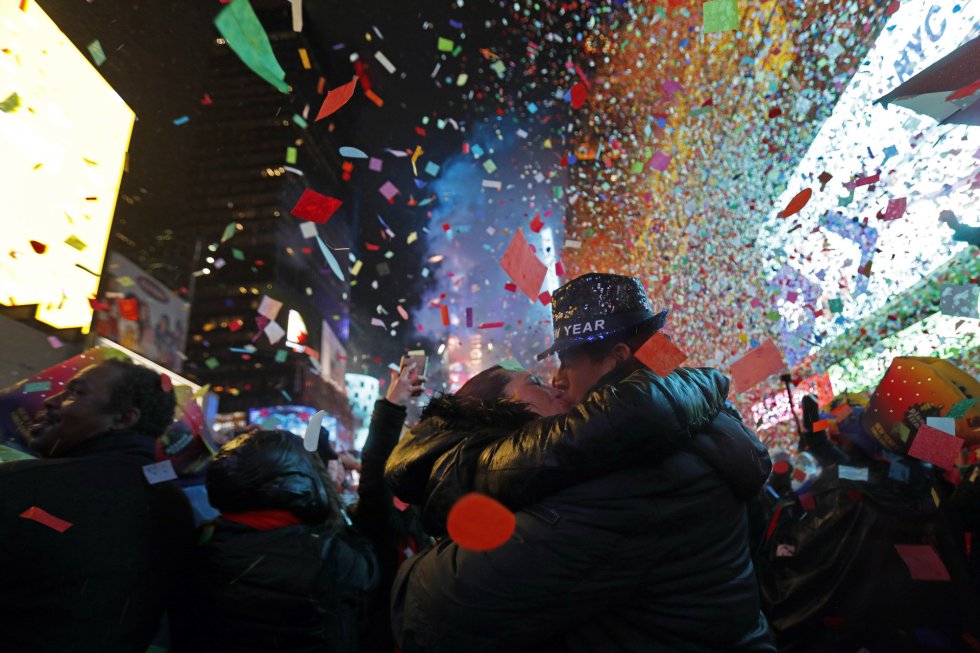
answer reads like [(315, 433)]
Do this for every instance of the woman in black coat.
[(280, 571)]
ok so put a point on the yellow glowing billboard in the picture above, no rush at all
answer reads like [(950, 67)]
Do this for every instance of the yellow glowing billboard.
[(63, 139)]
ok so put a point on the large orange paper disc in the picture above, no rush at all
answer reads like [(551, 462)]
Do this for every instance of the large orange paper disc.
[(479, 523)]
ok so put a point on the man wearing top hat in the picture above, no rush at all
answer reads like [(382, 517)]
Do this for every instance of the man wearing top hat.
[(651, 558)]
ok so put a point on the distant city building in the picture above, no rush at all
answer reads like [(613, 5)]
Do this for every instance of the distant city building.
[(362, 392), (255, 155)]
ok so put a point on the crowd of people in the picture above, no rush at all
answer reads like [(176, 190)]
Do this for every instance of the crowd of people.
[(648, 517)]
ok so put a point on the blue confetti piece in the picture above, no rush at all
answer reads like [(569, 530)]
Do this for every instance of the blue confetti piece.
[(182, 120)]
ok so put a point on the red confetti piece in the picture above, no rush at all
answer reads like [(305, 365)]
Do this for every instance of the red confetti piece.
[(520, 263), (491, 325), (559, 269), (775, 112), (893, 7), (966, 91), (807, 502), (165, 383), (444, 311), (479, 523), (512, 287), (821, 425), (399, 504), (797, 203), (660, 354), (402, 312), (537, 223), (129, 309), (936, 447), (756, 366), (781, 467), (894, 210), (39, 248), (545, 298), (44, 517), (579, 93), (315, 207), (206, 100), (336, 98), (923, 561), (97, 305)]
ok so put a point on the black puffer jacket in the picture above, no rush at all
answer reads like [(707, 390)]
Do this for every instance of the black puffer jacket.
[(501, 449), (297, 588), (652, 557)]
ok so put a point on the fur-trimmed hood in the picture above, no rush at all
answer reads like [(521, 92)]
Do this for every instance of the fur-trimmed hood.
[(454, 411), (445, 423)]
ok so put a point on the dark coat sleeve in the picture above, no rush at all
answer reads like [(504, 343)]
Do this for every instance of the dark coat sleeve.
[(735, 452), (448, 599), (643, 415), (374, 496)]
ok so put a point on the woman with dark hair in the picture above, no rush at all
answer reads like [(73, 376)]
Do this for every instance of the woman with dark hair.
[(280, 570), (509, 435)]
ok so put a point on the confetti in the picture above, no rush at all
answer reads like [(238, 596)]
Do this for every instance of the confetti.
[(521, 265), (315, 207), (336, 98), (478, 523), (923, 562), (246, 37), (42, 516), (933, 446), (660, 354)]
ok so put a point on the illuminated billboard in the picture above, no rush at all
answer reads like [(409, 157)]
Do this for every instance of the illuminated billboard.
[(63, 139), (141, 314), (879, 179)]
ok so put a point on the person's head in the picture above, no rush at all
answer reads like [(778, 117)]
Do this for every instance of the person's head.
[(101, 400), (271, 470), (496, 383), (600, 320)]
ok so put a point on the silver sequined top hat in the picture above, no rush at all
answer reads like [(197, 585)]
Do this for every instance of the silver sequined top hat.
[(597, 305)]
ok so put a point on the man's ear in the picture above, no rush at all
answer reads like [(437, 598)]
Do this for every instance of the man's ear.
[(128, 418), (621, 352)]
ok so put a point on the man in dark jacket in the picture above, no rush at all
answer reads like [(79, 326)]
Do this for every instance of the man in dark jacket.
[(280, 571), (651, 558), (90, 548)]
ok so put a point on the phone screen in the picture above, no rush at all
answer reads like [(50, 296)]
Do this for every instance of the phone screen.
[(419, 358)]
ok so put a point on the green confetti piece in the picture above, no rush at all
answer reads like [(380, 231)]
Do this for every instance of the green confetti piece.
[(511, 364), (960, 409), (211, 363), (76, 243), (230, 231), (37, 386), (281, 356), (720, 15), (10, 104), (245, 35), (444, 45), (291, 155), (489, 166), (238, 254), (836, 305), (300, 120), (98, 54)]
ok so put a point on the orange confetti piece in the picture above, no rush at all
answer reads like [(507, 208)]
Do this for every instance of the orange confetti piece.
[(44, 517), (479, 523), (336, 98), (797, 203), (660, 354), (371, 95)]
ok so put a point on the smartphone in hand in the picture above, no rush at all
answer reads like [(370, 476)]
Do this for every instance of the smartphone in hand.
[(419, 358)]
